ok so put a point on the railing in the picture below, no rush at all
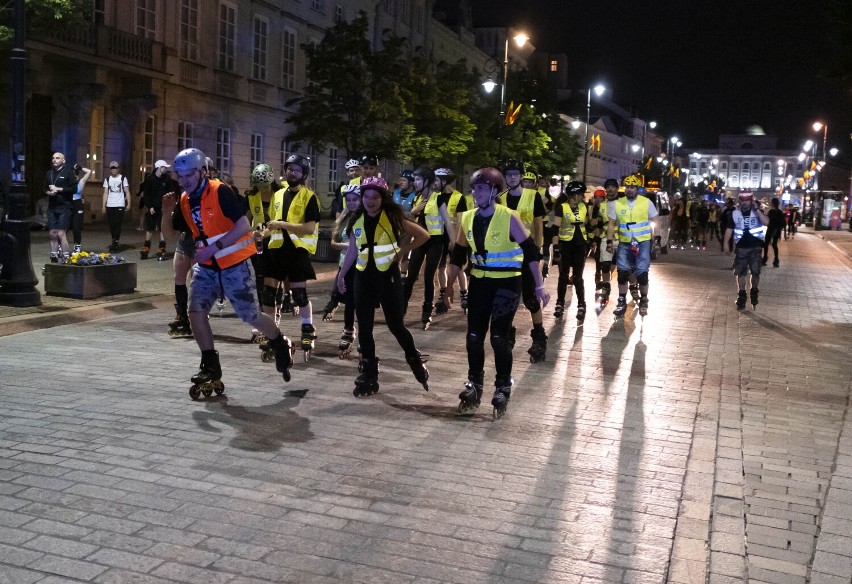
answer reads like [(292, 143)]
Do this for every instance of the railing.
[(189, 73), (227, 83), (128, 47), (109, 43)]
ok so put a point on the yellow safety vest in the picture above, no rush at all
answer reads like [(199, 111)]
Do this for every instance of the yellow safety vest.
[(296, 214), (256, 208), (503, 257), (434, 221), (455, 197), (526, 206), (384, 244), (570, 221), (633, 223)]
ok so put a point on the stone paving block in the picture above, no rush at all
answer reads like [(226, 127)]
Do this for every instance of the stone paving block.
[(834, 564), (191, 574), (11, 575), (67, 567), (776, 565), (763, 575), (120, 576), (125, 560), (61, 547)]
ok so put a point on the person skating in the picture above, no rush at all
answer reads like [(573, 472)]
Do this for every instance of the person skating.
[(571, 218), (773, 231), (154, 187), (528, 205), (499, 246), (215, 216), (379, 235), (632, 216), (445, 184), (603, 288), (748, 224)]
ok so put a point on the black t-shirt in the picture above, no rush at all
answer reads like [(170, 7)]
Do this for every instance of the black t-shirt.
[(312, 213), (776, 219), (461, 207), (155, 187), (538, 206)]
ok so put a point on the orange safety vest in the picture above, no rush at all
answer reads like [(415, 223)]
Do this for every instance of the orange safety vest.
[(215, 225)]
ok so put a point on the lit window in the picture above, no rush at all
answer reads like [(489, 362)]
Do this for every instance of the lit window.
[(554, 66)]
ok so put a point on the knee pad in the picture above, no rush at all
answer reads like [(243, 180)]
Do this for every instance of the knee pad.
[(531, 303), (300, 296), (267, 298), (642, 279), (623, 277), (504, 342), (474, 341)]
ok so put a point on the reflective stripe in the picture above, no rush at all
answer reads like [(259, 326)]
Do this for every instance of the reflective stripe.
[(503, 258), (232, 248), (635, 230), (383, 254), (752, 225), (277, 236), (633, 223)]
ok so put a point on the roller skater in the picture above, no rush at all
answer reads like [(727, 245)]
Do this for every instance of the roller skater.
[(381, 234), (572, 218), (209, 376), (155, 186), (748, 224), (444, 185), (179, 327), (345, 345), (500, 401), (498, 246), (605, 255)]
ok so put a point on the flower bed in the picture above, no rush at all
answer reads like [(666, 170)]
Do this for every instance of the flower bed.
[(90, 275)]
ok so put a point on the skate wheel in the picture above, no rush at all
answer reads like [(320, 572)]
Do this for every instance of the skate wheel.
[(267, 357), (207, 391), (286, 376), (194, 392), (218, 387)]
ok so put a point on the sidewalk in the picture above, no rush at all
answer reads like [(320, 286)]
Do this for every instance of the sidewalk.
[(839, 240)]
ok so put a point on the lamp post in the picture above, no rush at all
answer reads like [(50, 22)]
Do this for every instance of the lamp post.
[(599, 91), (489, 85), (645, 137), (17, 281), (824, 127)]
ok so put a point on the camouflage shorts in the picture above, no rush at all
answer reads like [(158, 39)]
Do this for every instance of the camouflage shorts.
[(236, 283)]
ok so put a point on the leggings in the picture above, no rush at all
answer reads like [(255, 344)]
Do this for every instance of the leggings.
[(771, 239), (348, 298), (573, 259), (430, 252), (494, 302), (374, 288), (115, 215), (77, 214)]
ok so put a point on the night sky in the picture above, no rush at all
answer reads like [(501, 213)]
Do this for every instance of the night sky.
[(700, 68)]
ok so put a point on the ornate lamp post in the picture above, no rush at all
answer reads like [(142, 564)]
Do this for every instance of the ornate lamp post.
[(489, 85)]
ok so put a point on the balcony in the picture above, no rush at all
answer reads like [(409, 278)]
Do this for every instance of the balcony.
[(109, 43)]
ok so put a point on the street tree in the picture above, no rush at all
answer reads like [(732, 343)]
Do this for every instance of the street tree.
[(44, 15)]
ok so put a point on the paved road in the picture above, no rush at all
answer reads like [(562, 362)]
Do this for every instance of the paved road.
[(701, 444)]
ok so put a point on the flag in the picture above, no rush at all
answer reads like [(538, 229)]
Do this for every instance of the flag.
[(813, 165), (512, 113)]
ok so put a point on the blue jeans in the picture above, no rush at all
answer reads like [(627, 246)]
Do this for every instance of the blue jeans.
[(627, 261)]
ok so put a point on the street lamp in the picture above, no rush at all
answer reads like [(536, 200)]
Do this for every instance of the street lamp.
[(651, 125), (599, 91), (824, 127), (489, 85)]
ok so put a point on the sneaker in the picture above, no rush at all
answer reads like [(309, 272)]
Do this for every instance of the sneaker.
[(78, 248)]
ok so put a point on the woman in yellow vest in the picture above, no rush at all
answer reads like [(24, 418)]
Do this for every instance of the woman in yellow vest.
[(445, 184), (261, 210), (379, 235), (499, 247), (571, 218)]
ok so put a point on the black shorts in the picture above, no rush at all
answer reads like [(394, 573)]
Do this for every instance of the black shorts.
[(283, 263), (152, 220), (59, 217), (185, 246)]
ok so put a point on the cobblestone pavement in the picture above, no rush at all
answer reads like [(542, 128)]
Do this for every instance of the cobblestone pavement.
[(699, 445)]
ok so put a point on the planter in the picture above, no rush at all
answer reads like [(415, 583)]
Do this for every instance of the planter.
[(89, 281)]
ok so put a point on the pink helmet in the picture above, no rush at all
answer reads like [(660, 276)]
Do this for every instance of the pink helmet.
[(376, 183)]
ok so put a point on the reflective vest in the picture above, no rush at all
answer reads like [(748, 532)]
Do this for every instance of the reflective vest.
[(455, 197), (571, 220), (633, 223), (258, 219), (355, 181), (296, 214), (434, 221), (503, 257), (384, 244), (750, 224), (215, 225), (526, 206)]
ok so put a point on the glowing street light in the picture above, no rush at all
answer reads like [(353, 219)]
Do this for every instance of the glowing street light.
[(599, 91), (834, 151)]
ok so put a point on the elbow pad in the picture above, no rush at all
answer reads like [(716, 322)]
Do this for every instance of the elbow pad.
[(531, 251), (459, 256)]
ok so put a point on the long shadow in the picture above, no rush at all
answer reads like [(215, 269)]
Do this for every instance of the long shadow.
[(801, 338), (612, 347), (258, 429)]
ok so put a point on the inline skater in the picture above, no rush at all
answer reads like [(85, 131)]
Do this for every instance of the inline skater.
[(445, 184), (748, 224), (604, 286), (571, 218), (263, 206), (404, 194), (773, 231)]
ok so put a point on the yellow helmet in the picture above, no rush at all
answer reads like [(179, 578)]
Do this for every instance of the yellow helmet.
[(530, 176), (632, 181)]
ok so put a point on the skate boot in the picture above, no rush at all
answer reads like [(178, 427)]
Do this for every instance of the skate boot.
[(643, 305), (179, 327), (634, 292), (426, 315), (581, 312), (741, 299), (602, 296), (416, 362), (754, 292), (281, 351), (500, 401), (620, 307), (161, 253), (538, 350), (328, 311), (763, 261), (559, 309), (345, 344), (257, 337), (308, 338), (441, 306), (470, 397), (146, 247), (463, 300), (367, 383), (209, 376)]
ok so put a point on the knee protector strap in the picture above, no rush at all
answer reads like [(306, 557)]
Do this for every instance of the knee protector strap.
[(623, 277), (300, 296), (267, 298), (642, 279), (504, 342)]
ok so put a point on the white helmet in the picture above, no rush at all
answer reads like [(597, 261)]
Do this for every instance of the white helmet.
[(351, 164), (350, 189)]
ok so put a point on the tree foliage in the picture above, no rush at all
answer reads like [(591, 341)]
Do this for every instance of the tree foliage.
[(43, 15)]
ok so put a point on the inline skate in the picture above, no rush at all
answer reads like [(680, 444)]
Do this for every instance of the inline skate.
[(367, 383), (538, 349), (643, 305), (209, 376), (308, 338), (581, 312), (559, 309), (463, 300), (620, 307), (470, 397), (754, 293), (500, 401), (179, 327), (280, 350), (741, 299), (426, 315), (416, 362), (345, 345)]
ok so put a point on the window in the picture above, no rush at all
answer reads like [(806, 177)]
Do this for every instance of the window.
[(735, 166), (184, 135), (317, 5), (95, 154), (223, 149), (148, 143), (227, 36), (312, 157), (724, 167), (146, 19), (339, 15), (288, 59), (98, 12), (332, 169), (258, 62), (554, 66), (189, 29), (287, 148), (256, 150), (745, 166)]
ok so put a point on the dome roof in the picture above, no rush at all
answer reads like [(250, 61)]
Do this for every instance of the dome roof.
[(755, 130)]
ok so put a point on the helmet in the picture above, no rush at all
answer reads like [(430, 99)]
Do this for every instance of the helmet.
[(575, 187), (369, 160), (189, 159), (631, 180), (600, 193), (407, 175), (512, 164), (262, 173), (349, 188), (610, 182), (445, 174), (424, 171), (489, 176), (529, 175), (301, 161), (351, 164), (376, 183), (746, 196)]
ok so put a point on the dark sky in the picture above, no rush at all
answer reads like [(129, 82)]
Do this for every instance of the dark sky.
[(700, 68)]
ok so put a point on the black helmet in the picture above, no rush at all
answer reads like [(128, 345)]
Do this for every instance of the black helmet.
[(512, 164), (407, 175), (427, 173), (301, 161), (575, 187), (369, 160), (610, 182)]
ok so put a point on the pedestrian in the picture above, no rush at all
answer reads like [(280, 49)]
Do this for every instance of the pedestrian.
[(773, 231), (224, 243), (724, 217), (79, 211), (380, 234), (156, 185), (747, 223), (632, 216), (60, 186), (116, 200), (572, 218), (498, 246)]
